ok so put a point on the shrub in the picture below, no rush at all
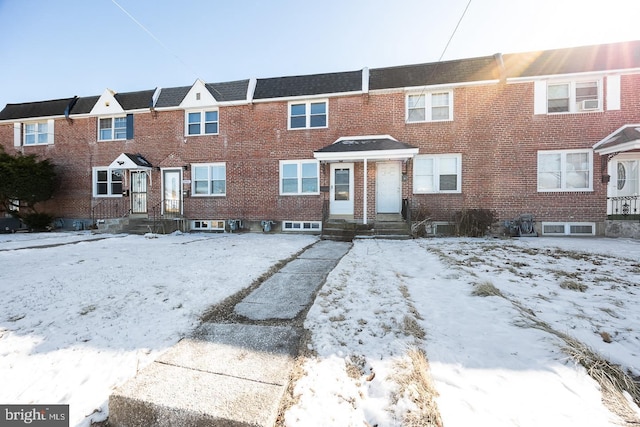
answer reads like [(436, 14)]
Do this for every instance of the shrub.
[(473, 222), (38, 221)]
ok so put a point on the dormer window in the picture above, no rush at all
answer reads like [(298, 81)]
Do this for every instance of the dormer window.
[(202, 122)]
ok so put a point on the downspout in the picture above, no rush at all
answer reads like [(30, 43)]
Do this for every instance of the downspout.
[(69, 107)]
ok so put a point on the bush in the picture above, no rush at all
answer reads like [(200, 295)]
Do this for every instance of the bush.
[(38, 221), (473, 222)]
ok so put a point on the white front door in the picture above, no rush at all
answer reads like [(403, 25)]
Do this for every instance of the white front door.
[(138, 192), (388, 187), (626, 177), (341, 189), (172, 191)]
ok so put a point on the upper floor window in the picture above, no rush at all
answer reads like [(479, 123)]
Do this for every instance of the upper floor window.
[(37, 133), (430, 107), (107, 182), (574, 96), (440, 173), (202, 122), (565, 170), (299, 177), (111, 128), (310, 114), (209, 179)]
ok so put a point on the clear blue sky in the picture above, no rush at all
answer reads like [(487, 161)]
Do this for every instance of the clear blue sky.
[(56, 49)]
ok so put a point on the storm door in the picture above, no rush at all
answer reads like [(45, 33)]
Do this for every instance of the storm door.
[(172, 192), (138, 192), (341, 189)]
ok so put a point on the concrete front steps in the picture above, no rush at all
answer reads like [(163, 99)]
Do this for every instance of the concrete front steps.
[(386, 227)]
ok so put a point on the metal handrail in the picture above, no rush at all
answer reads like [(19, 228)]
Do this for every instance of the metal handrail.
[(623, 206)]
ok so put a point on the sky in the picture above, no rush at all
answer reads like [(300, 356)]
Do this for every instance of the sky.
[(59, 49)]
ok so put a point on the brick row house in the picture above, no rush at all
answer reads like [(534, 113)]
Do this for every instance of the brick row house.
[(552, 134)]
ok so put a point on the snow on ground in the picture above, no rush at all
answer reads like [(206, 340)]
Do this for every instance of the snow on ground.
[(78, 319), (490, 366)]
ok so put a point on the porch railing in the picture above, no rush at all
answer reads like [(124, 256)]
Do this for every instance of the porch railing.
[(623, 207), (109, 208), (166, 209)]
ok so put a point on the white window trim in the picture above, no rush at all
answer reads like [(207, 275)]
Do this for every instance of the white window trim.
[(208, 224), (308, 113), (436, 173), (302, 226), (202, 121), (428, 106), (299, 177), (208, 166), (113, 129), (49, 133), (567, 228), (572, 95), (94, 182), (563, 170)]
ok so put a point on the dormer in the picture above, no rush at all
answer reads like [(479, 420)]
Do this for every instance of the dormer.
[(107, 105), (198, 97)]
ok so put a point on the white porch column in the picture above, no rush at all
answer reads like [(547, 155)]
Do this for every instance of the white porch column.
[(364, 217)]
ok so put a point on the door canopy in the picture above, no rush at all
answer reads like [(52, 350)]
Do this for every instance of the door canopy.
[(627, 138), (372, 147), (131, 161)]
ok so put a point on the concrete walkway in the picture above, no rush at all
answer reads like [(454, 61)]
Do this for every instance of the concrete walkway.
[(231, 374)]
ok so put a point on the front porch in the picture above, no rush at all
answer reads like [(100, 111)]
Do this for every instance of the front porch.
[(385, 226)]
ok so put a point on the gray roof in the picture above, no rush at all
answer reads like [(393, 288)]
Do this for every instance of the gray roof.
[(628, 133), (172, 96), (446, 72), (27, 110), (135, 100), (229, 91), (138, 159), (372, 144), (313, 84), (614, 56)]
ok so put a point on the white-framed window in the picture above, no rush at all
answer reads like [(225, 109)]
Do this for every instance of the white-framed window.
[(574, 96), (37, 133), (107, 182), (112, 128), (298, 177), (308, 114), (568, 228), (429, 107), (205, 122), (565, 170), (209, 179), (440, 173), (301, 225), (214, 225)]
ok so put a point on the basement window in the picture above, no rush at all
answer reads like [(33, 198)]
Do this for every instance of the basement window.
[(207, 225), (301, 225), (568, 229)]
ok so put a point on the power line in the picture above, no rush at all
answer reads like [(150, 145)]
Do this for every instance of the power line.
[(454, 31)]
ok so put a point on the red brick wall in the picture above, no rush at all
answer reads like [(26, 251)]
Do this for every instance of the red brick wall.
[(494, 129)]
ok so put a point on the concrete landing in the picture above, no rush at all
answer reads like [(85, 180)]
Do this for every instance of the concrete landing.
[(226, 375), (230, 374)]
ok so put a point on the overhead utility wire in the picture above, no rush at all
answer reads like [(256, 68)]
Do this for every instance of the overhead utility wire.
[(454, 31)]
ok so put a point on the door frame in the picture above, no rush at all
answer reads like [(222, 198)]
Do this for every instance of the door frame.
[(397, 182), (341, 207), (180, 192), (134, 195)]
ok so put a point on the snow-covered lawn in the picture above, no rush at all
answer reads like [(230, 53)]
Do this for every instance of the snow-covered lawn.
[(76, 320), (79, 319)]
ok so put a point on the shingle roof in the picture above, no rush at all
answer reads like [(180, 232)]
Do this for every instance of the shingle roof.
[(27, 110), (369, 144), (172, 96), (628, 133), (314, 84), (457, 71), (84, 105), (229, 91), (614, 56), (135, 100)]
